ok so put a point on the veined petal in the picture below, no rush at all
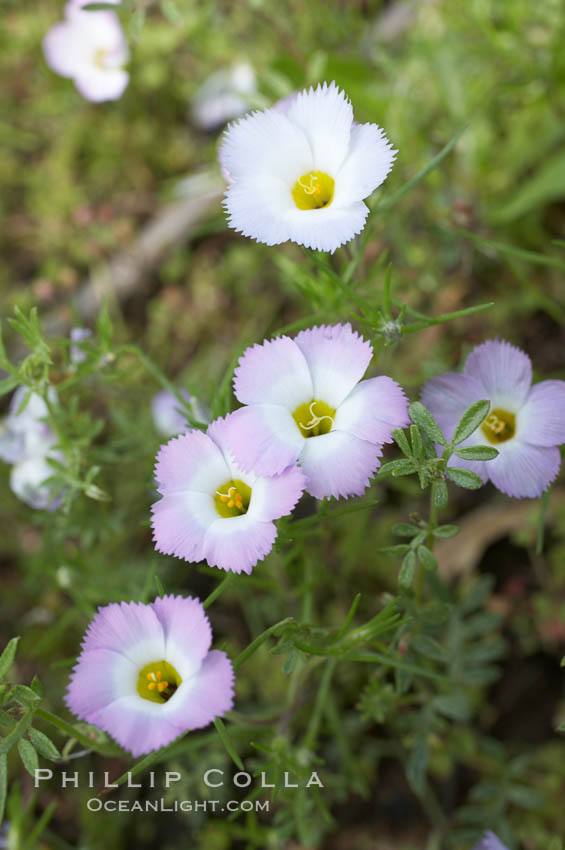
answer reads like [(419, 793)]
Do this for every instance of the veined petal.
[(541, 420), (369, 159), (274, 497), (372, 410), (325, 116), (338, 464), (180, 522), (275, 372), (209, 694), (448, 396), (265, 438), (130, 628), (504, 371), (522, 470), (266, 143), (337, 357), (138, 725), (191, 462), (238, 543), (187, 631), (100, 677)]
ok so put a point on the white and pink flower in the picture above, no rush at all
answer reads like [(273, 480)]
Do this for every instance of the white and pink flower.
[(211, 509), (90, 48), (306, 403), (146, 673), (526, 423), (27, 442)]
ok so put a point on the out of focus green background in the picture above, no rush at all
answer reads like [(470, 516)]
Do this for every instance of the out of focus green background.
[(81, 182)]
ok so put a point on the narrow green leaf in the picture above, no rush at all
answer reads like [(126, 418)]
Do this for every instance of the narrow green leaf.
[(427, 558), (7, 657), (404, 466), (225, 739), (401, 441), (19, 730), (405, 529), (446, 531), (407, 570), (422, 417), (28, 756), (477, 452), (394, 551), (43, 744), (440, 494), (470, 421), (171, 11), (464, 478), (389, 202), (416, 439)]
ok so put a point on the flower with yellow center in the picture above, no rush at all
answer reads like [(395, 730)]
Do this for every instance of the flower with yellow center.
[(90, 48), (300, 170), (210, 509), (146, 673), (525, 423)]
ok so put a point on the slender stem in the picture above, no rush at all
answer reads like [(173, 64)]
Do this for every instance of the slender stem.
[(433, 521), (71, 732), (321, 698), (219, 590), (254, 645)]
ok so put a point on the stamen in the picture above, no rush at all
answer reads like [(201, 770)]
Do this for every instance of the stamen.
[(499, 426), (232, 498), (315, 419), (158, 681)]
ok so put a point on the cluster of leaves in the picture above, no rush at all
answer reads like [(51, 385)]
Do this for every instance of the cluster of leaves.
[(422, 458)]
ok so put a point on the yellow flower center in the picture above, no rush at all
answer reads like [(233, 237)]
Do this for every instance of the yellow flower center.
[(313, 191), (232, 499), (314, 418), (158, 681), (100, 55), (499, 426)]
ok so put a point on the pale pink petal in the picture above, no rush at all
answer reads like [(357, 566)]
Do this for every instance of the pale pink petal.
[(264, 438), (448, 396), (208, 695), (187, 632), (339, 465), (372, 410), (180, 522), (541, 420), (274, 497), (274, 372), (504, 371), (523, 471), (238, 543), (192, 462), (337, 357)]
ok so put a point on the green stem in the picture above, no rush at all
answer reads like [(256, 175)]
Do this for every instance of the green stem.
[(254, 645), (219, 590), (71, 732), (321, 698)]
